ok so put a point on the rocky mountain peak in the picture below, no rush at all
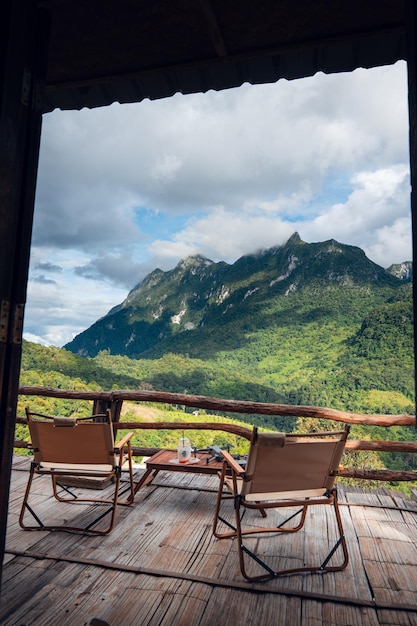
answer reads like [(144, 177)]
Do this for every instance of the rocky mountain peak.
[(200, 295), (403, 271)]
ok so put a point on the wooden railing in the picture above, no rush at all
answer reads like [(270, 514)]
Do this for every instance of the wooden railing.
[(114, 401)]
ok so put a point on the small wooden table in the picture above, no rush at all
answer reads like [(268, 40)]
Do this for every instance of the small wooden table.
[(165, 460)]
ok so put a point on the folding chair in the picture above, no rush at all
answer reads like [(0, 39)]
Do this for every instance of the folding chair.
[(81, 448), (282, 470)]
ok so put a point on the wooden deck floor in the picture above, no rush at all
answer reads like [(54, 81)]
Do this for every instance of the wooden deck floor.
[(162, 565)]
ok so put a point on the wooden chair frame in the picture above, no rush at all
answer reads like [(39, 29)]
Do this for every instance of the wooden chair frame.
[(83, 448), (286, 482)]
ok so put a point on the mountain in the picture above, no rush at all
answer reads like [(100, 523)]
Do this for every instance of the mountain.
[(302, 324), (201, 308), (403, 271)]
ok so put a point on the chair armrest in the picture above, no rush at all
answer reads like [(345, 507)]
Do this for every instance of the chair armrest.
[(120, 444), (232, 463)]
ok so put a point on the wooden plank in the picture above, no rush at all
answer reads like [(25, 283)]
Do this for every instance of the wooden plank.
[(169, 529), (350, 582), (33, 594), (353, 616), (239, 608), (396, 618), (125, 600), (84, 482)]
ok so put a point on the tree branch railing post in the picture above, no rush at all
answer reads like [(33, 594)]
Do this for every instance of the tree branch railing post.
[(114, 400)]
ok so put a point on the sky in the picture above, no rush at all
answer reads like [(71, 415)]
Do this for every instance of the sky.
[(128, 188)]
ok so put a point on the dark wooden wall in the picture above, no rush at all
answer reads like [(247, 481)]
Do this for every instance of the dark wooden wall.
[(23, 36)]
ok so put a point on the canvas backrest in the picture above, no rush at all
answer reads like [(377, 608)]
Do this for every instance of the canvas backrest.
[(282, 463), (71, 441)]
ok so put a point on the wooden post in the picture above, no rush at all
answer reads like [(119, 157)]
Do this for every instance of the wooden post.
[(23, 51), (101, 405), (412, 107)]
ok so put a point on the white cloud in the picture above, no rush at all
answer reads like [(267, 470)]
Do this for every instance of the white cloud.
[(165, 168), (222, 174), (225, 235), (392, 243), (57, 312), (379, 203)]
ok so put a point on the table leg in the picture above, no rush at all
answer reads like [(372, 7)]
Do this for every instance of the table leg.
[(146, 478)]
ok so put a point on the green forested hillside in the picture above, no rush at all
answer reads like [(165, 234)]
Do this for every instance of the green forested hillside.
[(315, 324), (362, 391), (301, 323)]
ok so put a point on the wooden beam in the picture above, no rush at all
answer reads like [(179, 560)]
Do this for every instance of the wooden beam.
[(225, 406), (383, 475), (213, 28), (197, 64), (412, 111), (409, 447), (22, 67)]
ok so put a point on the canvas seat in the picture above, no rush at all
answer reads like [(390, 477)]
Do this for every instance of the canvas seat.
[(79, 449), (282, 470)]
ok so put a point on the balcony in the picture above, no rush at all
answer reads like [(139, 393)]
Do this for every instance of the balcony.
[(161, 565)]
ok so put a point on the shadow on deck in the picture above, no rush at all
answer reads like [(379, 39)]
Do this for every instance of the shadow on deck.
[(162, 565)]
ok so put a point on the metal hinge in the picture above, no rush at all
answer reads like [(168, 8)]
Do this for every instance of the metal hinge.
[(34, 99), (17, 322), (4, 320)]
